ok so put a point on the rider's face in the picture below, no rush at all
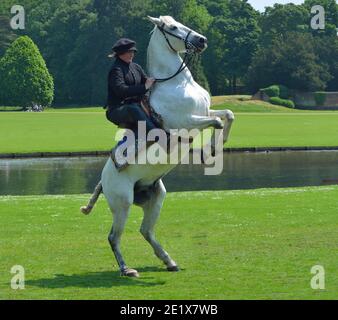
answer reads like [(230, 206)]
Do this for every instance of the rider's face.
[(127, 56)]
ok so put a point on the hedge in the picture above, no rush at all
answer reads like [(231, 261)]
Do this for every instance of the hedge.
[(284, 92), (272, 91), (282, 102)]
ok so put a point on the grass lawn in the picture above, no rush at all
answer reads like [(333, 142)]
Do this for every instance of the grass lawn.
[(45, 131), (245, 104), (237, 103), (256, 244), (86, 129), (55, 132)]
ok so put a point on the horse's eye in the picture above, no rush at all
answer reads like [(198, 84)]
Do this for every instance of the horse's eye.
[(173, 28)]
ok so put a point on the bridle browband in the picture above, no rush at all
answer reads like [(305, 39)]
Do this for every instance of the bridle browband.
[(190, 50)]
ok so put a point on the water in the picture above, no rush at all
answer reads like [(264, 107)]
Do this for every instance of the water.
[(241, 171)]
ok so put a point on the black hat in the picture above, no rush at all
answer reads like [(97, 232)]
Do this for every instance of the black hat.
[(123, 45)]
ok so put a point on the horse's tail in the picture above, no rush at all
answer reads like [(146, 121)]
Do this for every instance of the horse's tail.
[(87, 209)]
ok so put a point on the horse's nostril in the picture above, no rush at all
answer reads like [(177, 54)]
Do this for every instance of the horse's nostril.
[(203, 40)]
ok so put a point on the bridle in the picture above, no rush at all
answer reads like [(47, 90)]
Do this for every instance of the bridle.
[(191, 51)]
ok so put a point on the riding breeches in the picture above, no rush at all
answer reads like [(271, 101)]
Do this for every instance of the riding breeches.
[(129, 114)]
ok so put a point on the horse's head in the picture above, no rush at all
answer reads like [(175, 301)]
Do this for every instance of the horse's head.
[(179, 37)]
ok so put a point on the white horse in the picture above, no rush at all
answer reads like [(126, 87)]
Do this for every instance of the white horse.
[(182, 103)]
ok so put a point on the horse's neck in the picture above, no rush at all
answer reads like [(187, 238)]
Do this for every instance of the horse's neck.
[(163, 62)]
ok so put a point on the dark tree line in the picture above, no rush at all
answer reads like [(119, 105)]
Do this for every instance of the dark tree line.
[(246, 48), (291, 53)]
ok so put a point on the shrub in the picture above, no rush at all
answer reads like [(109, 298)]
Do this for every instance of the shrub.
[(272, 91), (25, 80), (320, 98), (284, 92), (282, 102)]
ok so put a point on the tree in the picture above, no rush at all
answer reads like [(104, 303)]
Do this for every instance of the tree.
[(55, 26), (331, 16), (291, 61), (233, 41), (242, 34), (213, 57), (326, 48), (76, 39), (280, 19), (6, 34), (24, 76)]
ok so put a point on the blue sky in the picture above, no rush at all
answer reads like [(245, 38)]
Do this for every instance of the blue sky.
[(261, 4)]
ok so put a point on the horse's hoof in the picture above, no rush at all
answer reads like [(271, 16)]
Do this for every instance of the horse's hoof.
[(86, 210), (130, 273), (218, 124), (173, 268)]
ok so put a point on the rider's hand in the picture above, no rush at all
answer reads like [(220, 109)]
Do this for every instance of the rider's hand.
[(149, 83)]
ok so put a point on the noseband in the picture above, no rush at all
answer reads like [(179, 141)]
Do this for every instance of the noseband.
[(190, 50)]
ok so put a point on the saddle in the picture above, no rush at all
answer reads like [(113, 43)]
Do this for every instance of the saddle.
[(151, 113), (157, 120), (148, 109)]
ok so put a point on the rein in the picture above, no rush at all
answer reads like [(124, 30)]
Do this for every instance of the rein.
[(189, 51)]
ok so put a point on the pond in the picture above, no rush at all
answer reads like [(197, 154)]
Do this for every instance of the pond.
[(242, 170)]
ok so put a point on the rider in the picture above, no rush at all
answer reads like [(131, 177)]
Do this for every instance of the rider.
[(127, 84)]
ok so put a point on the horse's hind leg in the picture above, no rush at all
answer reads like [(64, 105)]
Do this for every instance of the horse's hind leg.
[(120, 209), (152, 209)]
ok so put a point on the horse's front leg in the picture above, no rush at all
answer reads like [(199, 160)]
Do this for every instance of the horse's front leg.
[(203, 122), (216, 140), (152, 209), (228, 117)]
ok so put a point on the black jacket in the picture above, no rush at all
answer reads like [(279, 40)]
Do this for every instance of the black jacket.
[(126, 83)]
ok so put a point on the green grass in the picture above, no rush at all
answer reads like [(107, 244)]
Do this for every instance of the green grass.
[(237, 103), (258, 124), (76, 109), (284, 130), (60, 109), (245, 104), (4, 108), (56, 132), (254, 244), (33, 132)]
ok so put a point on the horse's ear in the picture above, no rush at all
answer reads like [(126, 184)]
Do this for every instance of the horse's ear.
[(155, 21)]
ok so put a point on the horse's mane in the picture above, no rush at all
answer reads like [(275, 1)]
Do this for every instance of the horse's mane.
[(152, 31)]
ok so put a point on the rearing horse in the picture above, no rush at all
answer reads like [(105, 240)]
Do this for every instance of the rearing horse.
[(182, 103)]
